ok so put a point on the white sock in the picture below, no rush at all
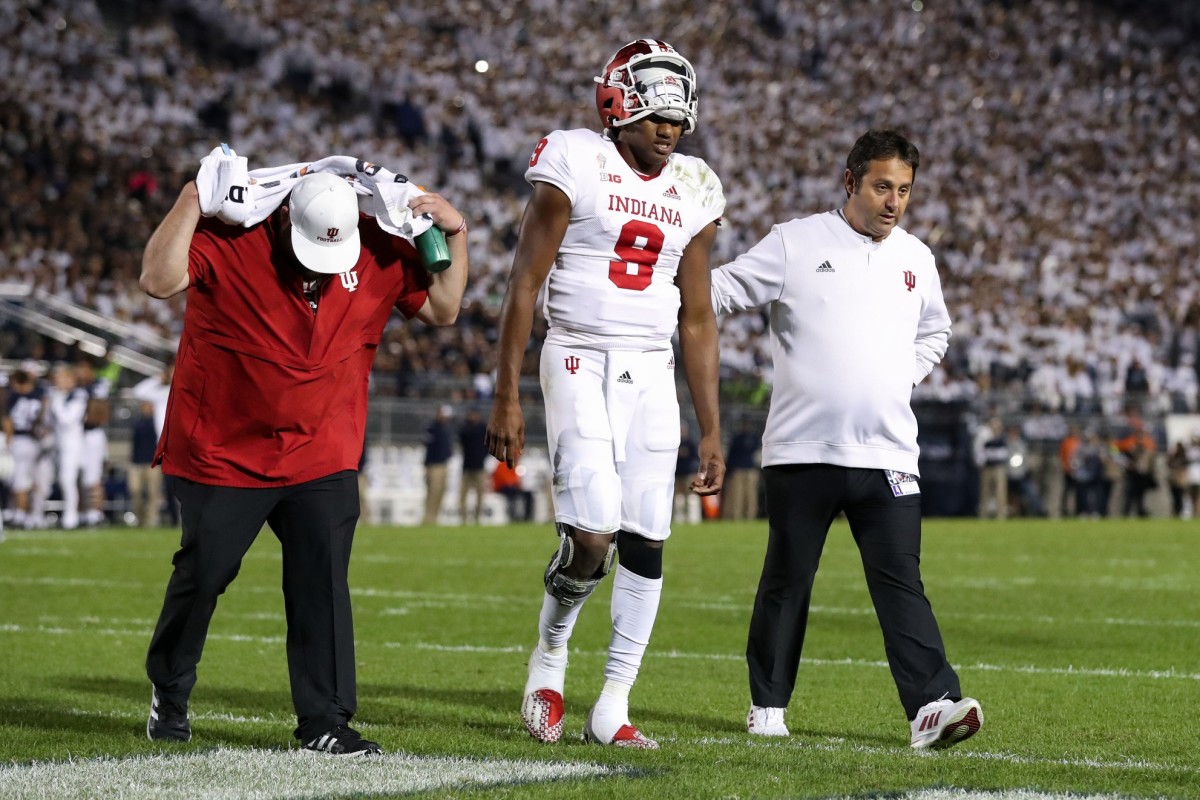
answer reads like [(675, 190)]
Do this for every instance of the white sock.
[(556, 622), (548, 662), (611, 711), (614, 700), (547, 670), (70, 503), (634, 609)]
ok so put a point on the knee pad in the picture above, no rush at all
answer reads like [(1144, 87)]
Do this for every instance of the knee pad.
[(564, 588), (591, 498), (640, 555)]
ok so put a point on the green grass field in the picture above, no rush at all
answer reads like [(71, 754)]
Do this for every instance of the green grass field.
[(1080, 638)]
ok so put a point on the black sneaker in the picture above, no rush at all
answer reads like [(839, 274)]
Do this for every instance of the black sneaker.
[(167, 722), (344, 741)]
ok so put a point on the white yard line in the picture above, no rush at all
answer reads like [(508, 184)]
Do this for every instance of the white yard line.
[(450, 598), (268, 774), (1041, 619), (981, 794), (1168, 673), (838, 745), (252, 774), (458, 600), (210, 716), (1029, 669)]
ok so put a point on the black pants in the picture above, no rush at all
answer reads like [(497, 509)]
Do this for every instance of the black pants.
[(802, 502), (314, 523)]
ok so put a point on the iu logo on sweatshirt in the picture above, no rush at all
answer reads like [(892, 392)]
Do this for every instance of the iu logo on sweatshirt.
[(910, 280)]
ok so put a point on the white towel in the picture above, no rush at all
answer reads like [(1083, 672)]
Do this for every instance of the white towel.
[(223, 177), (240, 197)]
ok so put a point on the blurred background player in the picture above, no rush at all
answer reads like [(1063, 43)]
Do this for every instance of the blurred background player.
[(24, 425), (439, 447), (68, 410), (95, 439), (686, 505), (507, 482), (474, 459), (740, 498), (620, 226), (155, 391), (990, 451), (145, 482)]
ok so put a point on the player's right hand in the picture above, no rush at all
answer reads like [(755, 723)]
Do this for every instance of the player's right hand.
[(505, 437), (711, 476)]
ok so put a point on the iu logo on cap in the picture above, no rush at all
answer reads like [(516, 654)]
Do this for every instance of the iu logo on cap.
[(332, 232)]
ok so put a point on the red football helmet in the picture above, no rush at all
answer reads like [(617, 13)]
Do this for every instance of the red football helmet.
[(647, 77)]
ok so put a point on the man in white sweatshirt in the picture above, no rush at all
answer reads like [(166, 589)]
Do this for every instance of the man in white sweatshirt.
[(857, 319)]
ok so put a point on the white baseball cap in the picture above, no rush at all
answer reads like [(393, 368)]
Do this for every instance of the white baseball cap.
[(324, 215)]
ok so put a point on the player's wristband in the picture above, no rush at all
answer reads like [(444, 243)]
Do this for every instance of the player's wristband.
[(459, 229)]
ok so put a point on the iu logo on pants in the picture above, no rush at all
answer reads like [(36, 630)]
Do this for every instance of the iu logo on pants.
[(572, 364)]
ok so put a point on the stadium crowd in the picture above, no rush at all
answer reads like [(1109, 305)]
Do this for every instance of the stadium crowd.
[(1055, 184)]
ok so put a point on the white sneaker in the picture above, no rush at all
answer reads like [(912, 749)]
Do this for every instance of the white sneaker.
[(542, 707), (943, 723), (766, 721), (625, 735)]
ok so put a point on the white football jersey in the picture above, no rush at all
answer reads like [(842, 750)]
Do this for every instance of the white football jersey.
[(613, 282)]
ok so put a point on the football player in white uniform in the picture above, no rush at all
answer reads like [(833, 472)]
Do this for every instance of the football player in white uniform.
[(24, 422), (619, 227), (68, 408), (95, 440)]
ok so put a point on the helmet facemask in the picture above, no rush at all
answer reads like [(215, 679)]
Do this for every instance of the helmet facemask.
[(657, 83)]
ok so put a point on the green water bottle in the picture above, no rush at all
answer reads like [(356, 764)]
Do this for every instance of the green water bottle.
[(435, 253)]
